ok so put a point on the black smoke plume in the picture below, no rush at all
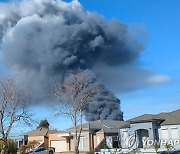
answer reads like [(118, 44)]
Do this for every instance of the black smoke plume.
[(42, 40)]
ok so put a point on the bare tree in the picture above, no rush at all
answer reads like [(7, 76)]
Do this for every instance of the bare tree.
[(72, 95), (13, 108)]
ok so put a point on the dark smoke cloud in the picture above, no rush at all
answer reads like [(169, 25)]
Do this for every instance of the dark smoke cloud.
[(42, 40), (104, 106)]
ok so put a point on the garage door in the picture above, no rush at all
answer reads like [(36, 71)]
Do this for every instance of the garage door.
[(59, 146)]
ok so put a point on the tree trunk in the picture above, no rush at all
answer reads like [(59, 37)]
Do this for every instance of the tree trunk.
[(78, 136), (76, 149)]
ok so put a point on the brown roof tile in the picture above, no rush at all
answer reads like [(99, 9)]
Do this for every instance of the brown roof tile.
[(40, 132)]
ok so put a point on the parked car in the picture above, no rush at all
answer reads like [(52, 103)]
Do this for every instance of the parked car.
[(42, 150)]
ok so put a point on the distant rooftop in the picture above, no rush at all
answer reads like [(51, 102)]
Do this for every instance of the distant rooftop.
[(40, 132)]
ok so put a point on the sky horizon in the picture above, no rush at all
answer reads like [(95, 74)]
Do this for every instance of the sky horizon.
[(156, 24)]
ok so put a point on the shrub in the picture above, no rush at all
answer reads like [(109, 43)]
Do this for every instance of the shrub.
[(22, 149), (33, 144), (168, 146), (29, 146), (1, 144), (156, 147), (11, 146)]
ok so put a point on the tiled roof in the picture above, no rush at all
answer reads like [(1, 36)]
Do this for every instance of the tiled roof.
[(40, 132), (166, 118), (145, 118), (106, 126), (171, 118)]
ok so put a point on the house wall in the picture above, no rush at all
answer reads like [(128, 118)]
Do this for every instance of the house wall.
[(148, 126), (72, 144), (36, 138), (19, 140), (156, 132), (126, 133), (87, 141), (96, 137), (173, 134)]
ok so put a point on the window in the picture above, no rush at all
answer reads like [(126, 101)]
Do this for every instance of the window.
[(115, 142), (174, 133), (165, 135), (112, 141), (109, 141)]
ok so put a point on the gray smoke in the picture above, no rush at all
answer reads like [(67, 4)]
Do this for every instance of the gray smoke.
[(104, 106), (42, 40)]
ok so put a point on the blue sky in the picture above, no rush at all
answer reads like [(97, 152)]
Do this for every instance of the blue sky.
[(159, 18), (160, 21)]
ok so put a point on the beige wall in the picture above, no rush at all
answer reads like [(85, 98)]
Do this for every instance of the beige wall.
[(87, 142), (101, 137), (41, 139), (36, 138), (90, 141)]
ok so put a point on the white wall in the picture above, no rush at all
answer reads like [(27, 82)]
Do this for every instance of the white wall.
[(170, 132), (167, 132), (124, 134)]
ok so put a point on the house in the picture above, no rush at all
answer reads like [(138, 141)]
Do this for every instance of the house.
[(148, 130), (94, 134), (40, 134)]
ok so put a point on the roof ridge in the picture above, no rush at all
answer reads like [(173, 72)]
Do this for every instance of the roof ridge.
[(175, 110)]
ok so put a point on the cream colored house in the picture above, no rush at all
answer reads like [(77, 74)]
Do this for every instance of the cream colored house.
[(40, 134), (92, 136), (151, 129)]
